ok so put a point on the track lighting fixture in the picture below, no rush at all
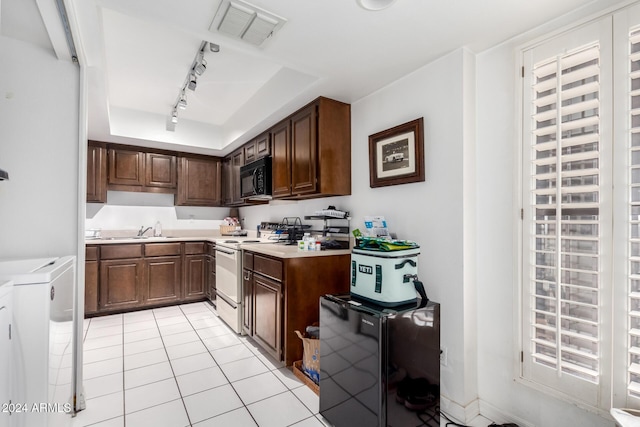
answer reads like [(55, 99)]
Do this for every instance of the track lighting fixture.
[(192, 82), (182, 103), (201, 67), (198, 67)]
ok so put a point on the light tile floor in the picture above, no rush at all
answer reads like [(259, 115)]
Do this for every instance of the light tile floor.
[(182, 366)]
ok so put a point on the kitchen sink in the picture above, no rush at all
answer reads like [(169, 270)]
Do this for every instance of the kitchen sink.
[(126, 238)]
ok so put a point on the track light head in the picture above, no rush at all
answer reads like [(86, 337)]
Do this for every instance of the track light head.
[(192, 82), (174, 117), (182, 103), (201, 67), (214, 47)]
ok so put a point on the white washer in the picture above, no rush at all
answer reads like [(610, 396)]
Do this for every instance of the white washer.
[(6, 304), (42, 340)]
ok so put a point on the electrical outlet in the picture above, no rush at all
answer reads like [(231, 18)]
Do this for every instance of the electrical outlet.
[(443, 356)]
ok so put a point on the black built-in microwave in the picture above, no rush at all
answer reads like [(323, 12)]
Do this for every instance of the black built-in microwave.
[(255, 179)]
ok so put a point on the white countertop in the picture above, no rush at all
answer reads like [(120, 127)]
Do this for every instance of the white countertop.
[(277, 250), (123, 240)]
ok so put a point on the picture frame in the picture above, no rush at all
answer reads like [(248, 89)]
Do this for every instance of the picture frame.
[(396, 155)]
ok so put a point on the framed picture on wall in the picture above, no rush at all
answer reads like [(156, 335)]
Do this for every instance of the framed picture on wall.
[(396, 155)]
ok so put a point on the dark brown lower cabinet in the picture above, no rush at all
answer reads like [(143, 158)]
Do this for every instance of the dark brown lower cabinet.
[(194, 276), (267, 310), (210, 272), (123, 277), (281, 295), (162, 279), (247, 302), (120, 284), (91, 280)]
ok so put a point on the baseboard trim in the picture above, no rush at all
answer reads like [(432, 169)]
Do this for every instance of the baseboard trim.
[(498, 416), (478, 407), (457, 412)]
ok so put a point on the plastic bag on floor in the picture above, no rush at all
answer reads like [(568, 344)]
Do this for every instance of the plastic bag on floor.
[(626, 417)]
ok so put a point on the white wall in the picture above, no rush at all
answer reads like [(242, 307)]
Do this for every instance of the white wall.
[(130, 211), (429, 212), (39, 150), (498, 86)]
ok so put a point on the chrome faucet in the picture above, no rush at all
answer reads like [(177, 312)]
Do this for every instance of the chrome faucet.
[(143, 230)]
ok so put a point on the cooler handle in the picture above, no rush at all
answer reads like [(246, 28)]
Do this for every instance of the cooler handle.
[(411, 262), (353, 273), (417, 284)]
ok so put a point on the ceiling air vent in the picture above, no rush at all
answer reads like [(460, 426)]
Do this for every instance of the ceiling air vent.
[(245, 22)]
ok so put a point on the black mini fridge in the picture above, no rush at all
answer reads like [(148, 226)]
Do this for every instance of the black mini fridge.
[(379, 366)]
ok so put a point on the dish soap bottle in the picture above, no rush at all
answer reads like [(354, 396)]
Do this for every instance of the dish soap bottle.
[(157, 230)]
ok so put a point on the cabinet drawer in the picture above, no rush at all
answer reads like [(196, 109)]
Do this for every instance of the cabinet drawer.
[(194, 248), (161, 249), (121, 251), (91, 253), (268, 266), (247, 260)]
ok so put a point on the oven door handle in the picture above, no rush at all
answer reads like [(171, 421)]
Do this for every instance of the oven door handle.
[(226, 299), (225, 252), (254, 181)]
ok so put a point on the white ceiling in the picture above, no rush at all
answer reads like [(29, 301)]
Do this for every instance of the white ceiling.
[(138, 54)]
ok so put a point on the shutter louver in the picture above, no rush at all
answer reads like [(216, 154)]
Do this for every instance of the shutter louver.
[(633, 383), (565, 279)]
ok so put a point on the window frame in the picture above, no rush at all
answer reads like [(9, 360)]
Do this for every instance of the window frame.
[(598, 399)]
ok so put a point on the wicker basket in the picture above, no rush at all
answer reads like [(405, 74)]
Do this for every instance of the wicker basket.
[(227, 230)]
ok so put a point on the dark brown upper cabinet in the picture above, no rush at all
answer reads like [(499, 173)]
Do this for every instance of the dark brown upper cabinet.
[(126, 167), (161, 170), (257, 148), (199, 180), (311, 151), (97, 172), (131, 169)]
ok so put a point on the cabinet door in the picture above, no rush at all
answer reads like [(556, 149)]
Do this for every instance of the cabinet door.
[(281, 160), (198, 182), (210, 277), (267, 314), (237, 161), (126, 167), (247, 302), (97, 173), (160, 170), (304, 151), (227, 181), (194, 276), (250, 153), (263, 147), (162, 279), (90, 287), (120, 284)]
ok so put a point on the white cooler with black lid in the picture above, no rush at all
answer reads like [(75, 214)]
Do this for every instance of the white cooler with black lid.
[(385, 278)]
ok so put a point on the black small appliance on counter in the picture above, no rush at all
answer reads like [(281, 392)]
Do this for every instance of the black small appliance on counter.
[(379, 366)]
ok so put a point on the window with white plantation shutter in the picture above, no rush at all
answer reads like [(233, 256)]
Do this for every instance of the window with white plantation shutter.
[(565, 203), (633, 382), (564, 289), (580, 299)]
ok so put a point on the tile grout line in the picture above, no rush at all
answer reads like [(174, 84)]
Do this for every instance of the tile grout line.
[(124, 397), (223, 374), (175, 379), (209, 351)]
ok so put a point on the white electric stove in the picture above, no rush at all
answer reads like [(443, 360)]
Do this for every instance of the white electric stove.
[(229, 278)]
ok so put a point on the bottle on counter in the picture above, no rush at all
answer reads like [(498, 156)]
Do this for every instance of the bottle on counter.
[(157, 230)]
